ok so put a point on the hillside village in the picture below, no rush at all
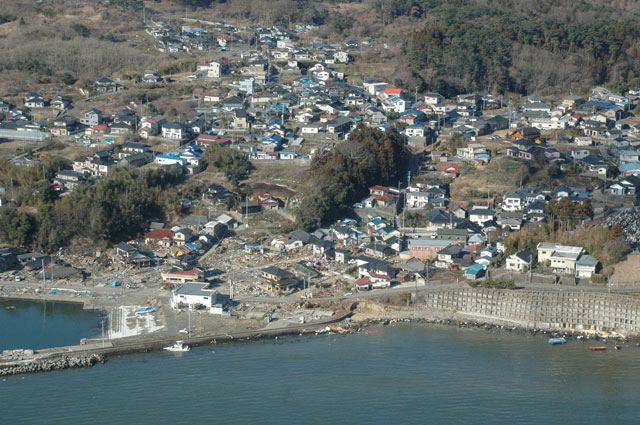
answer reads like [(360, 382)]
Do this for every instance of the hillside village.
[(285, 101)]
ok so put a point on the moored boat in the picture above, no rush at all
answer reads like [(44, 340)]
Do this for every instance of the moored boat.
[(598, 348), (554, 341), (178, 346)]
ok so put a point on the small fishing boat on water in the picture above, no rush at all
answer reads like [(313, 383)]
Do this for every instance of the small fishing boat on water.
[(598, 348), (554, 341), (178, 346), (370, 332)]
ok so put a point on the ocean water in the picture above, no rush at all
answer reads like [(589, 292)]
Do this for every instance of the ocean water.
[(35, 324), (405, 374)]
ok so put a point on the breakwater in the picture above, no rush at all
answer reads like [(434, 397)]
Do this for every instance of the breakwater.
[(45, 365), (27, 361), (569, 310)]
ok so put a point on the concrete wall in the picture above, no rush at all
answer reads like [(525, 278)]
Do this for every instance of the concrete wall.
[(544, 310)]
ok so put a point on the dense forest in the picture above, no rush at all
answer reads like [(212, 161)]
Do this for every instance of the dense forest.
[(116, 208), (341, 177)]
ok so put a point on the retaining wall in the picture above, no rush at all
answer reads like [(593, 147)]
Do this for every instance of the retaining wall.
[(544, 310)]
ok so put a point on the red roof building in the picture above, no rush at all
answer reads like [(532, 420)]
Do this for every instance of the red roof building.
[(162, 237), (451, 169)]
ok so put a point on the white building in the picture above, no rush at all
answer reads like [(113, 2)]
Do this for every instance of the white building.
[(213, 70), (433, 98), (519, 261), (481, 214), (513, 201), (194, 294), (562, 259), (472, 151), (418, 199), (174, 131)]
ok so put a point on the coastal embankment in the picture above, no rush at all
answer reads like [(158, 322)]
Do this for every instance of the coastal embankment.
[(550, 310)]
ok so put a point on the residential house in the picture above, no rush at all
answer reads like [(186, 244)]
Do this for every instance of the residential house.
[(175, 131), (473, 151), (69, 179), (627, 186), (379, 250), (162, 237), (182, 236), (449, 257), (99, 164), (474, 272), (586, 266), (34, 100), (151, 126), (91, 117), (521, 261), (180, 277), (120, 129), (338, 125), (150, 76), (107, 85), (278, 280), (64, 126), (481, 214)]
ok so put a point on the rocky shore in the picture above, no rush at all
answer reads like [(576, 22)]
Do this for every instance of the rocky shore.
[(492, 327), (45, 365)]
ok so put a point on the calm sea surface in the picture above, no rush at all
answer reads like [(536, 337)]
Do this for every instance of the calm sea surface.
[(45, 324), (405, 374)]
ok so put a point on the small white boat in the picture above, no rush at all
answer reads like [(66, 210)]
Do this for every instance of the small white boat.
[(178, 346)]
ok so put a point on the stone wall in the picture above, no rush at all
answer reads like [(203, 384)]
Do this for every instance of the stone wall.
[(544, 310)]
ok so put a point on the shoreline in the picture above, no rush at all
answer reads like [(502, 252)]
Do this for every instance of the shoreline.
[(350, 320), (59, 358)]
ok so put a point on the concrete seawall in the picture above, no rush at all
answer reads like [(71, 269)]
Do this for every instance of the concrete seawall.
[(543, 310)]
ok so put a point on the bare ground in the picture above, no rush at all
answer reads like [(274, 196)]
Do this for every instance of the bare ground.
[(628, 269)]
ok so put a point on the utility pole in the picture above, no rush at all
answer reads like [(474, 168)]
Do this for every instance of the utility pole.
[(246, 211)]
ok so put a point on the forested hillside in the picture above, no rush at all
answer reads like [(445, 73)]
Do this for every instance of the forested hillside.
[(522, 46), (341, 177)]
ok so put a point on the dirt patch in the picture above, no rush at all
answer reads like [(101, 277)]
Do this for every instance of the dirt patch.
[(499, 177), (627, 270), (277, 190)]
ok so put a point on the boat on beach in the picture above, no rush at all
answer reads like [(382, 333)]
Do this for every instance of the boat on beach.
[(554, 341), (178, 346), (145, 309)]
